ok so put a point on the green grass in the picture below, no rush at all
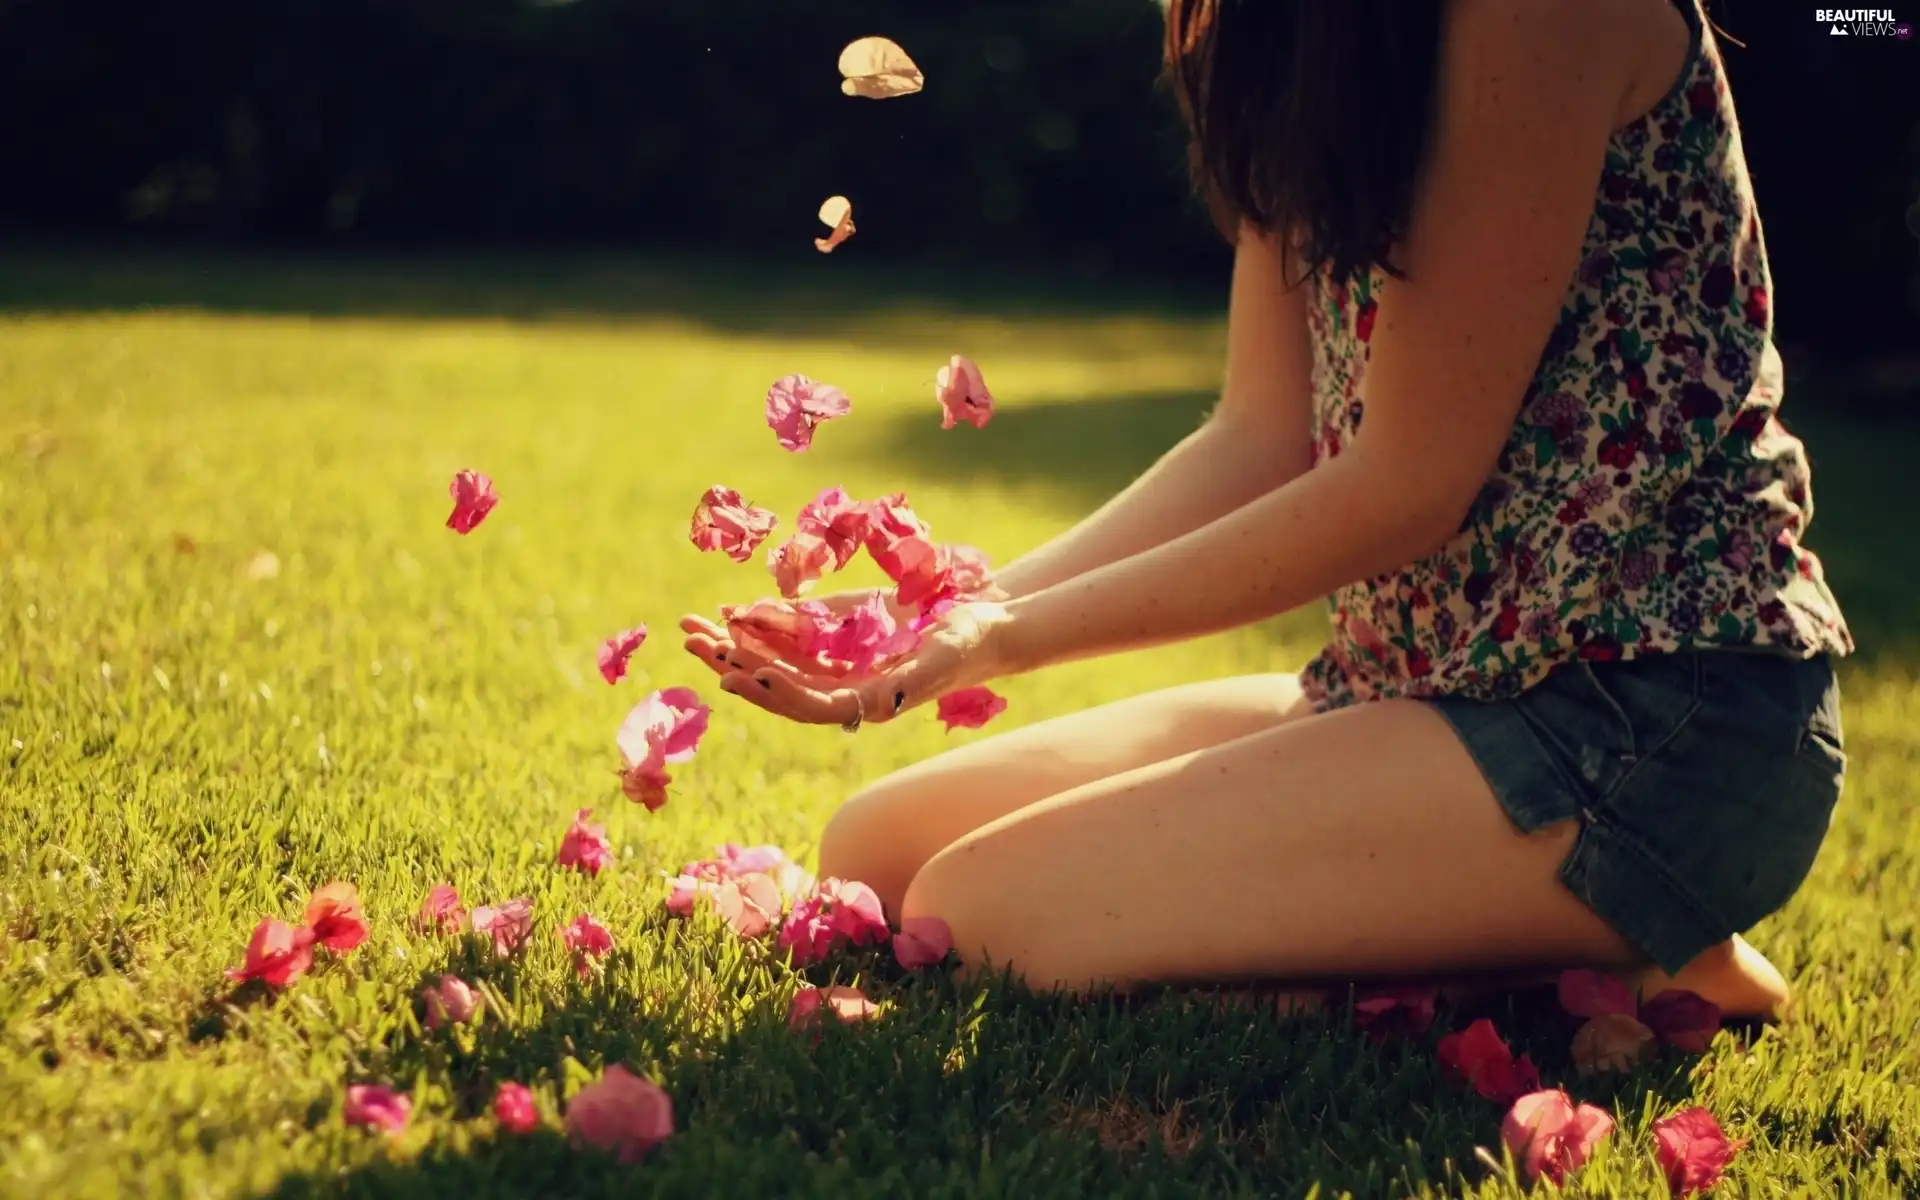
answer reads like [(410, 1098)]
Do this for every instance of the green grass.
[(185, 749)]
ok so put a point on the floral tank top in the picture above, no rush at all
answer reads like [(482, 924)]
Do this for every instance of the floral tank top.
[(1648, 498)]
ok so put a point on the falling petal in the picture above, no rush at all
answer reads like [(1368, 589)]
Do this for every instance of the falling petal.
[(878, 69), (837, 215)]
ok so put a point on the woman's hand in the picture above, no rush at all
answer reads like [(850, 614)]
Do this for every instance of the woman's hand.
[(961, 651), (709, 642)]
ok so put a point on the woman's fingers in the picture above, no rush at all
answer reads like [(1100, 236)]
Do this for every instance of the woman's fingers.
[(712, 651)]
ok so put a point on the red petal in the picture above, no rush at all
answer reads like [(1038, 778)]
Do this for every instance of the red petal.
[(1594, 993), (1682, 1019)]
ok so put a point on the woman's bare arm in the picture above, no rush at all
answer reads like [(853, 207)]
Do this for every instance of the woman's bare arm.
[(1256, 440)]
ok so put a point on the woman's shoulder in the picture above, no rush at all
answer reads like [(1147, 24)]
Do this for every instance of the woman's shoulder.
[(1634, 48)]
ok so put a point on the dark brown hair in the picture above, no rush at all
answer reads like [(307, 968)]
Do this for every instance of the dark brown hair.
[(1310, 119)]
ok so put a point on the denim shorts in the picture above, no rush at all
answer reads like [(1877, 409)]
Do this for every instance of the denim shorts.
[(1704, 782)]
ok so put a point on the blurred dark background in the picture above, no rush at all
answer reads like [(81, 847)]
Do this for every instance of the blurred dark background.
[(717, 126)]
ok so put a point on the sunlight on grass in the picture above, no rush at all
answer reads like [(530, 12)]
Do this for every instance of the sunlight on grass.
[(185, 749)]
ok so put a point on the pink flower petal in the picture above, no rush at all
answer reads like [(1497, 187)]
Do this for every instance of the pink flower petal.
[(962, 394), (513, 1108), (277, 954), (1480, 1057), (333, 913), (847, 1004), (1684, 1020), (1407, 1011), (1550, 1135), (751, 904), (922, 942), (585, 846), (664, 728), (780, 630), (726, 522), (837, 519), (1693, 1150), (616, 650), (507, 924), (838, 912), (450, 1001), (376, 1106), (589, 941), (473, 498), (798, 563), (620, 1113), (441, 910), (861, 639), (969, 708), (796, 405), (1591, 993)]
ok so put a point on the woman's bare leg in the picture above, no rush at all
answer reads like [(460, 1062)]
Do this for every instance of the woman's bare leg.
[(887, 831), (1358, 843)]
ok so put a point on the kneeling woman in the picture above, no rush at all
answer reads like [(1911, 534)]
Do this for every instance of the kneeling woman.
[(1499, 380)]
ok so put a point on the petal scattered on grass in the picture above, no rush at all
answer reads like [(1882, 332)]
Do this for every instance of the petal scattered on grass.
[(277, 954), (734, 862), (1612, 1042), (333, 913), (1548, 1134), (848, 1004), (1693, 1150), (473, 498), (1480, 1057), (588, 940), (1594, 993), (750, 904), (585, 847), (451, 1001), (507, 924), (1390, 1012), (513, 1108), (962, 394), (376, 1106), (725, 521), (797, 405), (620, 1113), (441, 910), (969, 708), (1684, 1020), (264, 565), (878, 69), (616, 650), (661, 730), (922, 942), (836, 213), (837, 912)]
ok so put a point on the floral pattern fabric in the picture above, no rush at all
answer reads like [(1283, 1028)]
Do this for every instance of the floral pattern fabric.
[(1648, 498)]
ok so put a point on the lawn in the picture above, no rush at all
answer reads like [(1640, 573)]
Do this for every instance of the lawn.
[(189, 743)]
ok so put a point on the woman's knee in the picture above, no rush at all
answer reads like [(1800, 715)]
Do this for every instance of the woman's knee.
[(864, 841)]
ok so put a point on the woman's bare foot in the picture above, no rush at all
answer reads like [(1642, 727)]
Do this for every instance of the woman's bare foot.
[(1733, 975)]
